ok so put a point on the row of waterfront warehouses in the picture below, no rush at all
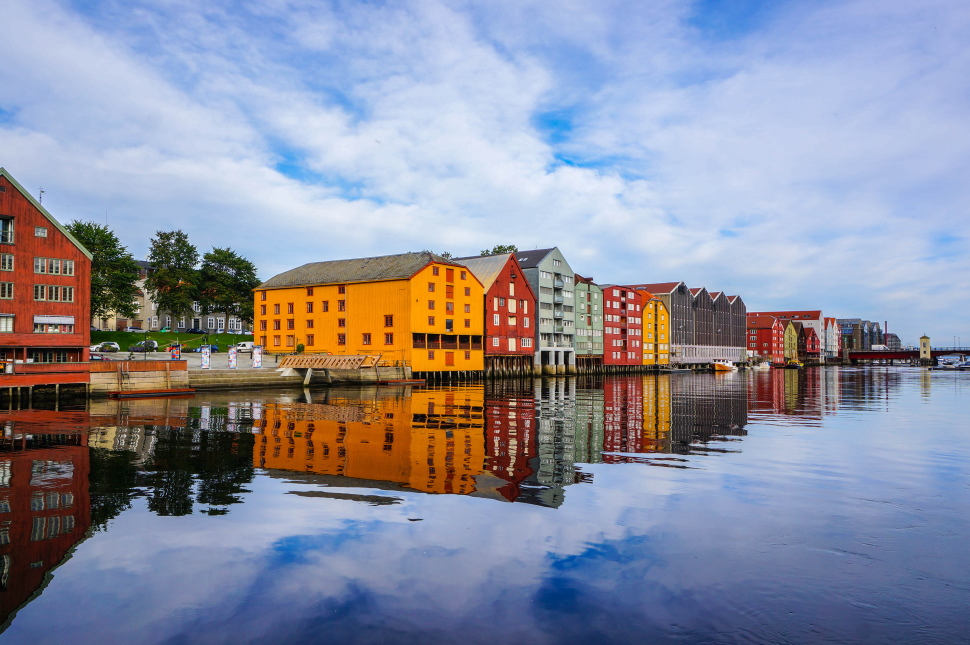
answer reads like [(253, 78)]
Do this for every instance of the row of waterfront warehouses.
[(810, 337), (513, 313)]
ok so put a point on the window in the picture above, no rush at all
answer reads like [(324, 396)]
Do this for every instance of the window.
[(511, 344), (431, 286), (511, 321), (309, 291), (526, 342), (309, 339), (430, 354), (6, 323), (495, 341), (525, 322), (365, 339), (342, 288), (501, 302), (556, 263), (6, 261), (450, 307), (309, 307), (326, 305), (431, 304), (512, 289), (290, 323), (468, 356), (495, 319), (431, 320), (468, 309), (290, 341), (449, 291), (262, 295), (389, 320), (50, 293), (262, 310), (47, 328), (468, 291), (449, 324), (276, 325), (341, 322), (6, 290), (6, 231), (468, 322), (389, 339), (210, 323), (53, 266), (289, 307), (276, 309), (341, 305), (464, 275), (341, 339), (262, 325), (434, 270), (40, 231)]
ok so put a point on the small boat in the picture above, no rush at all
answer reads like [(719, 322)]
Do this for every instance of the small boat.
[(793, 365), (725, 366)]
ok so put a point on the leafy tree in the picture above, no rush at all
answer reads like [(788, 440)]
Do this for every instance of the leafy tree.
[(227, 281), (113, 270), (501, 248), (174, 278)]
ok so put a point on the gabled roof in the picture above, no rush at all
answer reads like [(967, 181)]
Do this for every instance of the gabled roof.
[(662, 288), (43, 211), (732, 299), (485, 267), (376, 269), (531, 259), (808, 314), (760, 321), (715, 294), (696, 290)]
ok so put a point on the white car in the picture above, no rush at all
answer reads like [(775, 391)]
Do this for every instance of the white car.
[(245, 347)]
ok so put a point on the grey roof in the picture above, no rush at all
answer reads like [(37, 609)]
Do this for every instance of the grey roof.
[(485, 267), (384, 267), (531, 259)]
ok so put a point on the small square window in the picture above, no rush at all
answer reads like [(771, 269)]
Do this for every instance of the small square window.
[(388, 339), (40, 231), (434, 270), (431, 320), (342, 288), (341, 339)]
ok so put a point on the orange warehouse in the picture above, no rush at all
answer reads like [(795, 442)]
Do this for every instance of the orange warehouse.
[(418, 308)]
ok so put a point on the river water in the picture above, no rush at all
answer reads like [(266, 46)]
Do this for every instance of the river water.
[(825, 505)]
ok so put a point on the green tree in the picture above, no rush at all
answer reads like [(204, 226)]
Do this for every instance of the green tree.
[(227, 280), (113, 270), (173, 279), (501, 248)]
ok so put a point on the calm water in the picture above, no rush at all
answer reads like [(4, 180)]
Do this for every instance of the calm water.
[(829, 505)]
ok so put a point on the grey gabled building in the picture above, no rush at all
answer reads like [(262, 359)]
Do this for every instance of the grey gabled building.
[(553, 282)]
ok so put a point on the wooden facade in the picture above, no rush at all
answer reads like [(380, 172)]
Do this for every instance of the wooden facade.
[(45, 278), (622, 326)]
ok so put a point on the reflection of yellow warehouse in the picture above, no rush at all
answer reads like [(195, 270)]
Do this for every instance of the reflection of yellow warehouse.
[(415, 307), (432, 441), (656, 411)]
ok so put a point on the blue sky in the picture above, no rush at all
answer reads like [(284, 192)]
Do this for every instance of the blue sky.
[(803, 154)]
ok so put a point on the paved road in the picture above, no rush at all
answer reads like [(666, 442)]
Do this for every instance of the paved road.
[(219, 360)]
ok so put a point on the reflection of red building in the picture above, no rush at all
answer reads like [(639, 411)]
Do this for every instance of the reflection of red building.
[(623, 429), (510, 441), (622, 326), (44, 503)]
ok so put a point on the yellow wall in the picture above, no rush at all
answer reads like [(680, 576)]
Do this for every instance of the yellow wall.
[(656, 411), (656, 333), (365, 306), (791, 342)]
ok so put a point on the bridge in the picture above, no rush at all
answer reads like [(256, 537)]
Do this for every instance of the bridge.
[(904, 354)]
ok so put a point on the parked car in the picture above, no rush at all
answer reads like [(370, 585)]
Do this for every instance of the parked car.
[(245, 347), (144, 346), (99, 357), (212, 348), (194, 330), (93, 328), (137, 330), (106, 346), (165, 330)]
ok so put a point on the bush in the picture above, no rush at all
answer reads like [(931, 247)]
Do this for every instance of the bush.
[(299, 348)]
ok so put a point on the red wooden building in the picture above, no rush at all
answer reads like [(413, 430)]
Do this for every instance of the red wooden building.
[(510, 312), (766, 338), (622, 325), (45, 285)]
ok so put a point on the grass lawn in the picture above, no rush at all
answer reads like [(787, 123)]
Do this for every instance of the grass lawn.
[(126, 338)]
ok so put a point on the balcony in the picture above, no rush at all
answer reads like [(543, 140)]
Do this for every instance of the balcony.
[(558, 284), (559, 330), (558, 300), (558, 314)]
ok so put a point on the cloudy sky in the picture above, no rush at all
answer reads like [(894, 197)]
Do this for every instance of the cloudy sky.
[(801, 154)]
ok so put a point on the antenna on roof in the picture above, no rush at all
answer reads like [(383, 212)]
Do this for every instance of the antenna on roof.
[(40, 195)]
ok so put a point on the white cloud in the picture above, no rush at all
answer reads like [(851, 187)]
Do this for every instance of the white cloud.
[(815, 159)]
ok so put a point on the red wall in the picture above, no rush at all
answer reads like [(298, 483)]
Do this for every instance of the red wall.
[(503, 330), (623, 317)]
